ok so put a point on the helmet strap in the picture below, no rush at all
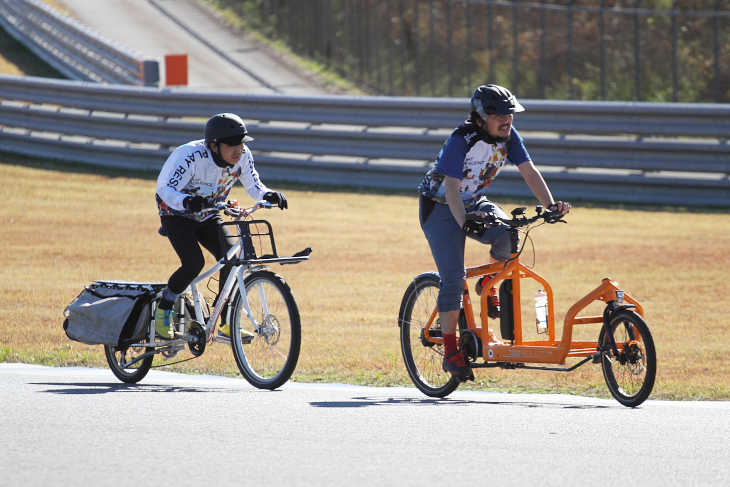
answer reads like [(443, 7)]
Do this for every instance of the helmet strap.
[(483, 134), (217, 159)]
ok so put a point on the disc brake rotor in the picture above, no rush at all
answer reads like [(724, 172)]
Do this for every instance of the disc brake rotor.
[(270, 330)]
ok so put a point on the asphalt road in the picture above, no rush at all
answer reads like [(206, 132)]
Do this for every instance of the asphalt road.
[(82, 427), (218, 57)]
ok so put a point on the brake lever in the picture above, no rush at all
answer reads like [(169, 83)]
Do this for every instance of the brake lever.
[(555, 217)]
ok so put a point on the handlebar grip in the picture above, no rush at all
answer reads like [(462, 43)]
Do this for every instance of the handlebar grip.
[(553, 216), (474, 225), (490, 219)]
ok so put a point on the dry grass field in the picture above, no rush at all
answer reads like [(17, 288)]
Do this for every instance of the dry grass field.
[(61, 228)]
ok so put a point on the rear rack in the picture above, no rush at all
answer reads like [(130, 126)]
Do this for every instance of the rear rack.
[(248, 251), (116, 284)]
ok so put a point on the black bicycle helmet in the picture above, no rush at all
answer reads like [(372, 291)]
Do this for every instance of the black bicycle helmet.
[(494, 99), (227, 128)]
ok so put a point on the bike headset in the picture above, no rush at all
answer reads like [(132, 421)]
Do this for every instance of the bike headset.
[(226, 128)]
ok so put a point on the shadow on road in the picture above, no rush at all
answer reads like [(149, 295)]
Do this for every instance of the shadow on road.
[(92, 388), (106, 388), (359, 402)]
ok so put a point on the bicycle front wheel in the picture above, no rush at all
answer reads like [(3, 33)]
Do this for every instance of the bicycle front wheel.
[(630, 375), (268, 360), (121, 361), (423, 359)]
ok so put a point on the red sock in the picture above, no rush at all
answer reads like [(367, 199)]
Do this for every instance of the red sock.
[(450, 344)]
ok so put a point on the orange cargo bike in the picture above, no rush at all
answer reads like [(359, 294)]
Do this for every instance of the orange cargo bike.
[(624, 348)]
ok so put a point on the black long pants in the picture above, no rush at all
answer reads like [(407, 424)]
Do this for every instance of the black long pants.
[(186, 236)]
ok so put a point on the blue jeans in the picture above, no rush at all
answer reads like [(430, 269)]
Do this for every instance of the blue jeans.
[(447, 241)]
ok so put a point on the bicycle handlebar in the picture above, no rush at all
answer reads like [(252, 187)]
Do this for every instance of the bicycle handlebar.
[(476, 224), (231, 208)]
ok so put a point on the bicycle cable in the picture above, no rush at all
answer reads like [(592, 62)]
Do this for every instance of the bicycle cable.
[(527, 237), (532, 244), (207, 285), (261, 243)]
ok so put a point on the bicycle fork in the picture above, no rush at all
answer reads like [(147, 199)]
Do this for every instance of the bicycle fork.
[(611, 308)]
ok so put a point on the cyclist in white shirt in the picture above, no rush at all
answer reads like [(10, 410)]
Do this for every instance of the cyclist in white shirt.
[(196, 176)]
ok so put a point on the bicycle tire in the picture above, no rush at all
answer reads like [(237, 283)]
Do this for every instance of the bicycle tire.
[(423, 360), (269, 360), (116, 356), (630, 376)]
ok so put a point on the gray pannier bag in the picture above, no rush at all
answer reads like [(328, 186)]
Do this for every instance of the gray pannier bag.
[(103, 315)]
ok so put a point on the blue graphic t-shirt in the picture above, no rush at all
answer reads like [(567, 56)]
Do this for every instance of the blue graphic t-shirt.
[(467, 155)]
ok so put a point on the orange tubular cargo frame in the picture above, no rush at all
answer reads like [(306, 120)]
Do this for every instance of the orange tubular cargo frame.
[(548, 351), (624, 346)]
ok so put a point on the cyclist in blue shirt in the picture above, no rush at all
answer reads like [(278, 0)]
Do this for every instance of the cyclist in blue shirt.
[(471, 158)]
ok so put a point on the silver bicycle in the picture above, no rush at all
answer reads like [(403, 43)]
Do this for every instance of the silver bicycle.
[(254, 300)]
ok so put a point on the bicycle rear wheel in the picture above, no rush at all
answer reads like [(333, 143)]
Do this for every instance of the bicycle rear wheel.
[(423, 359), (630, 375), (119, 359), (269, 360)]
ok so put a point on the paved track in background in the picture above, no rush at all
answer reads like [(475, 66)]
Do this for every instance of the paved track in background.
[(82, 427), (218, 57)]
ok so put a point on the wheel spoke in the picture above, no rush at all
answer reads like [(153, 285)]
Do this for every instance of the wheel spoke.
[(630, 376), (269, 359), (423, 361), (119, 360)]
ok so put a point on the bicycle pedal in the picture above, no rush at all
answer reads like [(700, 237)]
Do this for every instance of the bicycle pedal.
[(464, 378)]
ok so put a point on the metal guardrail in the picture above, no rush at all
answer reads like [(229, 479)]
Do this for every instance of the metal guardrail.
[(600, 118), (623, 152), (72, 48)]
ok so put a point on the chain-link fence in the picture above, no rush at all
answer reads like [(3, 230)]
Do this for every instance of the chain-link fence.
[(648, 50)]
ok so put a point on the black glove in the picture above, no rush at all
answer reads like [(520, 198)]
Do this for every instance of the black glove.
[(474, 226), (194, 203), (553, 215), (276, 198)]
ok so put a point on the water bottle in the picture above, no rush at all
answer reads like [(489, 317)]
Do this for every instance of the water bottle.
[(541, 311)]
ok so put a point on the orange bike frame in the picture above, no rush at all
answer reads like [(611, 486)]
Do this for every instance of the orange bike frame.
[(548, 351)]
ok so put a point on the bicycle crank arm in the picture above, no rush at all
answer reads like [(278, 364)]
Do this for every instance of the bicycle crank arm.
[(187, 338)]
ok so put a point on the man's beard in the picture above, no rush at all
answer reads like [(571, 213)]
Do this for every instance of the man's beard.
[(503, 139)]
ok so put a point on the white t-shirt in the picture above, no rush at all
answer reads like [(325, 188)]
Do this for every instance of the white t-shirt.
[(190, 171)]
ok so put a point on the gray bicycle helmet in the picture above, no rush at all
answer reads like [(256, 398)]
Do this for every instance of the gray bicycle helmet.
[(227, 128), (494, 99)]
